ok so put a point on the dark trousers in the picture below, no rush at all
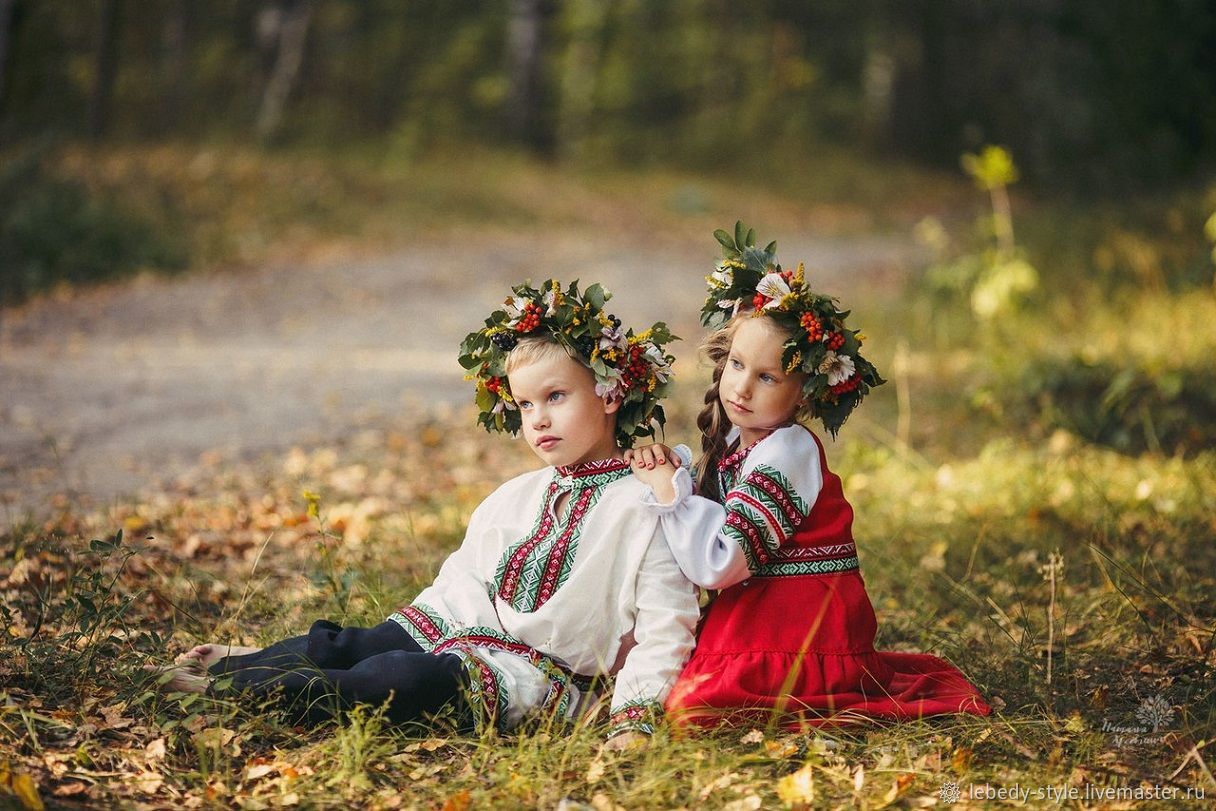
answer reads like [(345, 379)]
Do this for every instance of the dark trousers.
[(331, 669)]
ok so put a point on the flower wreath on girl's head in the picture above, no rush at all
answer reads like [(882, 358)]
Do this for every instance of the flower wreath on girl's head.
[(631, 369), (749, 278)]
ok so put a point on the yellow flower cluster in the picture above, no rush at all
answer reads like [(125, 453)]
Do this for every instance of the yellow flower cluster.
[(794, 363)]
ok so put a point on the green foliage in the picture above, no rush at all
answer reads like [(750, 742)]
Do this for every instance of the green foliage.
[(993, 275), (54, 231), (1131, 408)]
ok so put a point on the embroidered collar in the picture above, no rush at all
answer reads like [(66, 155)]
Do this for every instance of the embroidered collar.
[(591, 474), (735, 459)]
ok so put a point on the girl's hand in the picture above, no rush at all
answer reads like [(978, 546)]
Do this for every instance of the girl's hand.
[(649, 456), (656, 476)]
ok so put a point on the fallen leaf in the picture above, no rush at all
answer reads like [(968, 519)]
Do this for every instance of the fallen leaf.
[(70, 789), (749, 803), (595, 771), (27, 792), (214, 736), (155, 750), (901, 786), (457, 802), (797, 790), (780, 750), (259, 770), (148, 782)]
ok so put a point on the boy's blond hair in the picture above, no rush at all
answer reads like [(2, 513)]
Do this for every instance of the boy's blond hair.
[(532, 350)]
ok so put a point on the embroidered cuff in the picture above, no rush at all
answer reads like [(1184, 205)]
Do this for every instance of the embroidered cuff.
[(639, 715), (681, 482)]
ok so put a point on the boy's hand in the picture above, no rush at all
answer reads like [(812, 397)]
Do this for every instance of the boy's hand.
[(626, 742)]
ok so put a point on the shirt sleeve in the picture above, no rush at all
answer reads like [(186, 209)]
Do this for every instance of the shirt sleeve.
[(778, 484), (666, 617), (459, 597), (693, 528)]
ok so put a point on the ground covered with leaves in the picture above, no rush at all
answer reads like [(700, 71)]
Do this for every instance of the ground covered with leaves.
[(1035, 492), (1073, 584)]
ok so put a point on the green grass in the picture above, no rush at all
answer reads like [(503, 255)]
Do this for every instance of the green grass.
[(1071, 582), (953, 550)]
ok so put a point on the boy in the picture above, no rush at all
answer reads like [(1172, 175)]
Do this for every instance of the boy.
[(560, 571)]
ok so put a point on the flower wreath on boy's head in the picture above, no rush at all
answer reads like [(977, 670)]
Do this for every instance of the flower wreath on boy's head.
[(749, 278), (631, 369)]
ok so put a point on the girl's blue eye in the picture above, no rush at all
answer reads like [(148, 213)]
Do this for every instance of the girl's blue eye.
[(523, 404), (767, 378), (555, 396), (734, 364)]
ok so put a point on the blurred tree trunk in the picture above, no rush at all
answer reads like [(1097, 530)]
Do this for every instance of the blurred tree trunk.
[(282, 33), (105, 67), (176, 57), (585, 21), (6, 16), (524, 46), (878, 79)]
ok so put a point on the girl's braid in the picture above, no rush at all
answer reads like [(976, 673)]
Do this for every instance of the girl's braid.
[(713, 421)]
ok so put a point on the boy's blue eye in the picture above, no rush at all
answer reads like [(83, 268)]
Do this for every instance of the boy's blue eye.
[(555, 396), (523, 404), (767, 378), (734, 364)]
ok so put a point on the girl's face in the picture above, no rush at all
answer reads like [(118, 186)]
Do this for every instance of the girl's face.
[(754, 389)]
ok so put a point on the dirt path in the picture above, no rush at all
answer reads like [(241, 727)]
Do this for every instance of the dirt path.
[(110, 391)]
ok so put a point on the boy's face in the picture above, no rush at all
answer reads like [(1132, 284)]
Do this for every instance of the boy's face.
[(564, 421)]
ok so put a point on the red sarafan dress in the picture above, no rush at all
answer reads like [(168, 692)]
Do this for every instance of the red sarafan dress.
[(793, 637)]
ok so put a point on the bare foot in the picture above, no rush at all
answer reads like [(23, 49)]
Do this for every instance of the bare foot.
[(185, 677), (210, 653)]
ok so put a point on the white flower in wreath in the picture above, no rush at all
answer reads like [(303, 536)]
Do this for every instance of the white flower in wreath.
[(612, 338), (502, 405), (513, 310), (723, 276), (550, 301), (773, 286), (610, 391), (838, 368), (658, 363)]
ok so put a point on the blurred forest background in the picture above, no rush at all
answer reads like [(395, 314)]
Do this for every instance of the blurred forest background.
[(1094, 99), (1035, 487)]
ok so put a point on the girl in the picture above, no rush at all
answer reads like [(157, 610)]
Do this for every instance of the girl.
[(791, 634)]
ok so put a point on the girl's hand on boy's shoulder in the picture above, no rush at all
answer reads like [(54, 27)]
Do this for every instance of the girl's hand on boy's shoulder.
[(651, 456), (655, 475)]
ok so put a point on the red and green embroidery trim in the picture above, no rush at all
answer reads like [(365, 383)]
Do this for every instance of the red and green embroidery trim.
[(638, 715), (485, 695), (792, 561), (423, 623), (762, 513), (559, 698), (532, 570)]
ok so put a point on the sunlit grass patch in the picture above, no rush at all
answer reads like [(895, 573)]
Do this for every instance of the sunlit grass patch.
[(954, 553)]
